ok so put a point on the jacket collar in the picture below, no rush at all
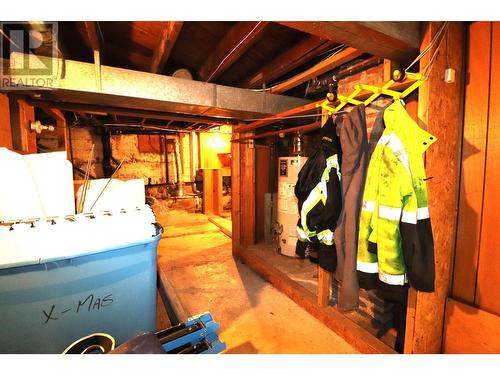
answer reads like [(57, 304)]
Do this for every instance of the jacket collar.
[(413, 136)]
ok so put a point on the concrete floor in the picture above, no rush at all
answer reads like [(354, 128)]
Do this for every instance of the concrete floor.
[(254, 316)]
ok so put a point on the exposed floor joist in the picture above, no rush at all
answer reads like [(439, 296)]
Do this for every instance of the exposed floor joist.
[(169, 35), (324, 66), (301, 53), (93, 37), (399, 41), (234, 44)]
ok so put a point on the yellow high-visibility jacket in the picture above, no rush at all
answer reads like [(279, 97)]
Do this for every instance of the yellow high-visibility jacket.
[(395, 241)]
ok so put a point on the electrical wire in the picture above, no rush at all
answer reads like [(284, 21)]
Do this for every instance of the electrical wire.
[(234, 49), (436, 39)]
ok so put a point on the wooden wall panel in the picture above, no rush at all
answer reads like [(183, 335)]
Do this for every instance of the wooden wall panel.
[(440, 110), (469, 330), (473, 162), (488, 275), (5, 129)]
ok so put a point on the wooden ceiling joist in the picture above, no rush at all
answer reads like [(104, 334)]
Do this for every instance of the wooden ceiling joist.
[(294, 57), (324, 66), (399, 41), (92, 34), (235, 43), (168, 37)]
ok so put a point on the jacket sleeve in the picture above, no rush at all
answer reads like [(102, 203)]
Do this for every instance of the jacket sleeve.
[(331, 211), (417, 240)]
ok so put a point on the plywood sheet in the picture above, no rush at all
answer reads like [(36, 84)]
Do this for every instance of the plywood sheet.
[(473, 162), (469, 330), (488, 277)]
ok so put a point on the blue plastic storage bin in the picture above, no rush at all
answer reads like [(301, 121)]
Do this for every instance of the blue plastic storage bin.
[(45, 307)]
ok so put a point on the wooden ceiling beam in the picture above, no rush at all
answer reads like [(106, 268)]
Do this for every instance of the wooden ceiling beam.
[(397, 41), (294, 57), (170, 32), (93, 37), (231, 47), (324, 66)]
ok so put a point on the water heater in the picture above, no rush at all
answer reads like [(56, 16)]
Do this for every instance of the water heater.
[(288, 213)]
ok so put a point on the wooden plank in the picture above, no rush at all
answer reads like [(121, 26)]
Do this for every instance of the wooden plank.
[(440, 109), (176, 311), (488, 277), (5, 129), (294, 57), (231, 47), (358, 337), (473, 162), (247, 212), (223, 224), (392, 40), (324, 66), (170, 32), (235, 194), (324, 284), (469, 330)]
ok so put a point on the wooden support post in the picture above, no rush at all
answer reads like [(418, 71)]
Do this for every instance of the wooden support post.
[(440, 110), (5, 129), (235, 193), (217, 180), (208, 191), (247, 191), (324, 284), (21, 116)]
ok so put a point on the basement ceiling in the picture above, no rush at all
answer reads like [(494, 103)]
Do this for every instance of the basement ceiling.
[(245, 55)]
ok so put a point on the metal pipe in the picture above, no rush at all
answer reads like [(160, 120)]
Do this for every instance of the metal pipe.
[(178, 168), (303, 129)]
